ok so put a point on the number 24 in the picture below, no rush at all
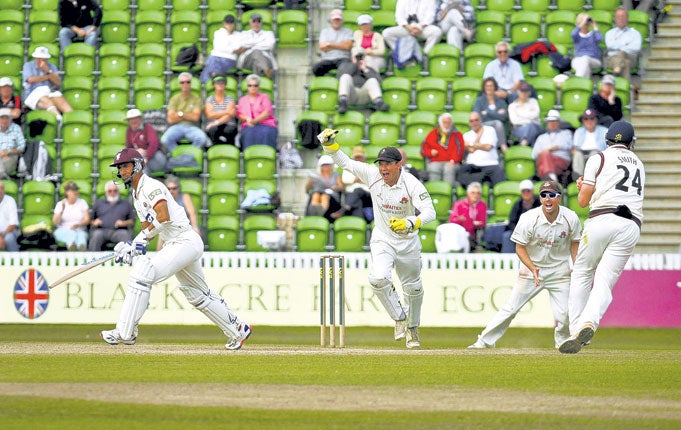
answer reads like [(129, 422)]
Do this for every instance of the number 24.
[(635, 181)]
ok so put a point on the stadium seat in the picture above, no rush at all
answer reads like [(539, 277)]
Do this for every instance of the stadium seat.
[(115, 27), (441, 195), (431, 94), (350, 19), (640, 20), (112, 126), (414, 157), (464, 92), (411, 71), (151, 5), (11, 189), (260, 162), (500, 5), (323, 94), (610, 5), (265, 15), (113, 93), (12, 26), (623, 91), (221, 4), (397, 93), (196, 153), (546, 92), (349, 234), (518, 163), (37, 197), (573, 202), (559, 25), (43, 26), (575, 93), (77, 90), (417, 125), (222, 233), (384, 128), (443, 61), (387, 4), (269, 185), (505, 194), (571, 117), (266, 86), (427, 236), (373, 150), (490, 26), (12, 5), (109, 5), (84, 189), (150, 59), (358, 5), (77, 161), (476, 56), (186, 5), (105, 156), (603, 18), (11, 58), (312, 234), (150, 25), (541, 6), (50, 131), (525, 26), (195, 190), (571, 5), (34, 219), (44, 4), (310, 115), (77, 127), (460, 119), (185, 26), (351, 126), (214, 19), (543, 65), (149, 93), (114, 59), (195, 87), (223, 162), (292, 29), (79, 59), (256, 3), (223, 197), (252, 225)]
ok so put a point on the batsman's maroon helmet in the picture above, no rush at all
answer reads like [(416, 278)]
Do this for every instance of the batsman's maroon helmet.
[(126, 155)]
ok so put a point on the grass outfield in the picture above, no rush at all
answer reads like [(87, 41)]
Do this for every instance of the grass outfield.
[(180, 377)]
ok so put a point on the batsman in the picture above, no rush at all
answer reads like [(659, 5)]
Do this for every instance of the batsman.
[(401, 206), (180, 256)]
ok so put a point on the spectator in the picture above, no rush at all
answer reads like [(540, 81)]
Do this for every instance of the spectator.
[(185, 200), (493, 110), (606, 103), (71, 218), (443, 149), (113, 219), (357, 194), (589, 139), (291, 4), (623, 45), (586, 38), (453, 24), (184, 115), (470, 212), (324, 189), (371, 41), (643, 5), (9, 100), (335, 43), (414, 18), (9, 221), (12, 144), (78, 18), (41, 80), (552, 149), (257, 49), (144, 139), (220, 110), (482, 161), (358, 84), (524, 116), (258, 125), (528, 200), (222, 58), (506, 71)]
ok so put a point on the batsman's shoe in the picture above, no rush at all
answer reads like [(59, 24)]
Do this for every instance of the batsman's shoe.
[(245, 331), (413, 340), (113, 338), (480, 345), (400, 329), (586, 333), (570, 346)]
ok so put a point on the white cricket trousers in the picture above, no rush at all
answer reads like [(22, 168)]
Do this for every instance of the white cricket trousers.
[(607, 243)]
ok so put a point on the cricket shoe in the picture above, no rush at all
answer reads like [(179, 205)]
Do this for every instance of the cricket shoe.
[(480, 345), (570, 346), (400, 329), (245, 331), (586, 333), (113, 338), (413, 340)]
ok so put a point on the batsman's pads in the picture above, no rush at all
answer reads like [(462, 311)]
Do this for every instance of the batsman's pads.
[(404, 225), (328, 139), (125, 251)]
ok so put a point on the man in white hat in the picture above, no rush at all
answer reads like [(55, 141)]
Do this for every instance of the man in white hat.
[(144, 139), (10, 100), (12, 143), (552, 149), (335, 43), (41, 82)]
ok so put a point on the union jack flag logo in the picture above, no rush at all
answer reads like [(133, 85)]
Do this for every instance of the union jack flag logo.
[(31, 294)]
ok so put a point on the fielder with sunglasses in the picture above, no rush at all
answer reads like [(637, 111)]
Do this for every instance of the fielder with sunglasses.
[(546, 238)]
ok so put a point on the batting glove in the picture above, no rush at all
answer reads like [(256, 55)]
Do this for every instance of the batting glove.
[(327, 139), (404, 225), (125, 251)]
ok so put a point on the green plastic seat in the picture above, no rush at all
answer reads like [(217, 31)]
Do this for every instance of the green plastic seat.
[(411, 71), (464, 92), (640, 20), (397, 93), (575, 93), (525, 26), (546, 92), (266, 86), (535, 5), (194, 189), (185, 26), (311, 115), (518, 163), (186, 5), (571, 5), (222, 233), (11, 26), (50, 131), (196, 153), (112, 126), (460, 119), (12, 4), (571, 117), (11, 188), (441, 195), (113, 93), (312, 234), (77, 90), (351, 127), (222, 197), (150, 59), (358, 5), (476, 57), (44, 4), (573, 201), (37, 197), (417, 125), (292, 29), (221, 4), (490, 26), (505, 194), (260, 162), (110, 5), (349, 234), (414, 157), (43, 26), (269, 185), (604, 18), (116, 26), (500, 5), (77, 161), (431, 94), (11, 58), (605, 5), (105, 156), (77, 127), (223, 162), (79, 59), (149, 93), (214, 19), (323, 94), (427, 236), (114, 59), (252, 225), (150, 25), (443, 61), (384, 128), (559, 25)]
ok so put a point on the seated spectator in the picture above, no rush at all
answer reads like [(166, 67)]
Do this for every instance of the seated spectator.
[(358, 84), (9, 221), (9, 100), (552, 149), (12, 144), (493, 110), (643, 5), (482, 161), (70, 219), (335, 43), (258, 125), (606, 103), (220, 111), (453, 24), (506, 72), (184, 116), (589, 139), (443, 149), (144, 139), (325, 189), (79, 18), (414, 18), (222, 58), (470, 212), (113, 218), (39, 78), (257, 49), (623, 45), (357, 195), (586, 38), (528, 200), (524, 116), (371, 41)]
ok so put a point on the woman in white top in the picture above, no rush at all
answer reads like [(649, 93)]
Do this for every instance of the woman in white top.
[(222, 58), (524, 116), (70, 218)]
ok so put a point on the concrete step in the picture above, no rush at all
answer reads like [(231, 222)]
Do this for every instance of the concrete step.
[(655, 203), (662, 86), (657, 244), (655, 148), (648, 119), (660, 104)]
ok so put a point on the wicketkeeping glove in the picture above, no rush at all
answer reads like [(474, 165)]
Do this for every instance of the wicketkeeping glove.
[(327, 139), (125, 251), (404, 225)]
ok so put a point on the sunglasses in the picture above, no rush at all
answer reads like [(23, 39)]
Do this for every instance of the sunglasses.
[(173, 188), (185, 82), (502, 52), (253, 85), (548, 195)]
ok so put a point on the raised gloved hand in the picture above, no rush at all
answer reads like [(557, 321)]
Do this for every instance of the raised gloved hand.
[(327, 139), (404, 225), (125, 251)]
